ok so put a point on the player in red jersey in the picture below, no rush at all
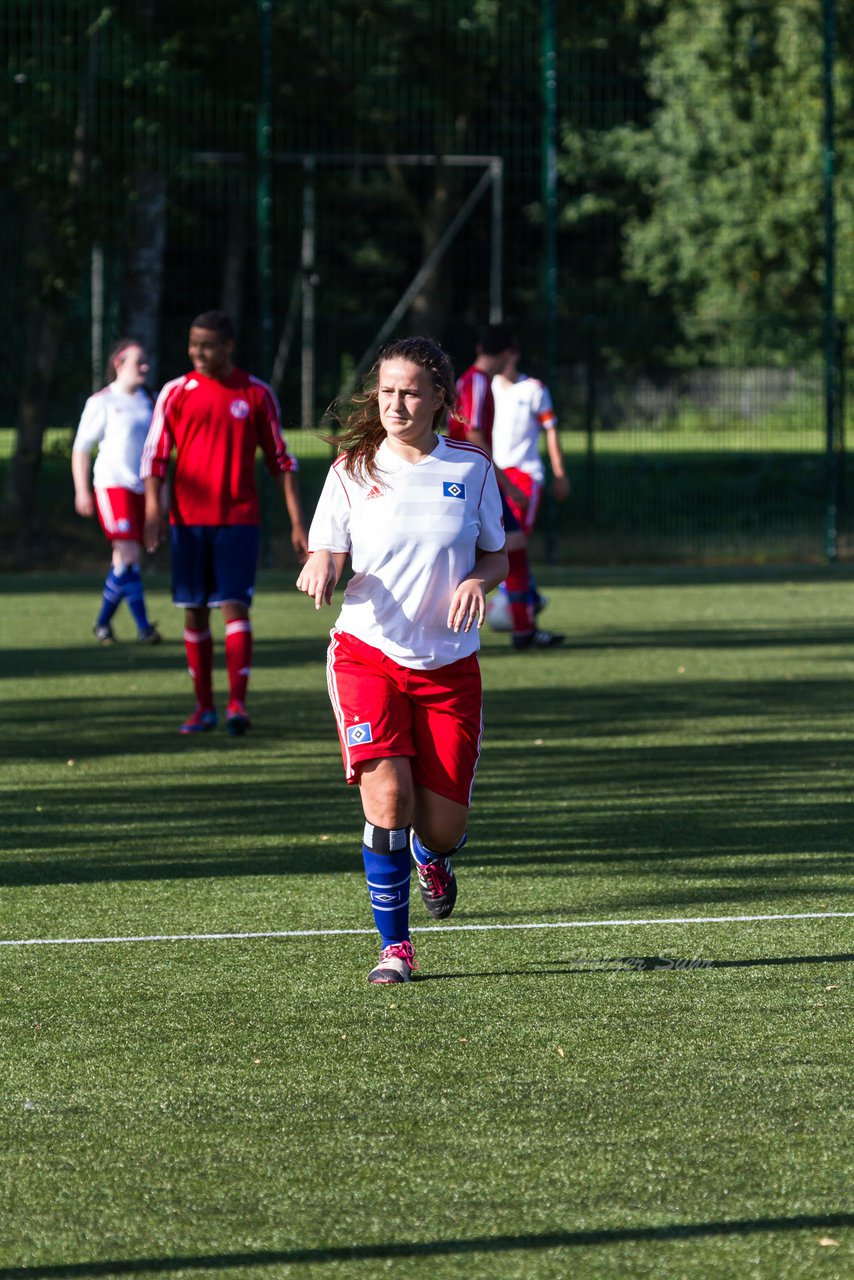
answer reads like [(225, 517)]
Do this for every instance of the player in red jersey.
[(475, 408), (215, 419), (473, 420)]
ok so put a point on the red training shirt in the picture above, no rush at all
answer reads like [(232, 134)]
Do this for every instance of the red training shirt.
[(216, 427)]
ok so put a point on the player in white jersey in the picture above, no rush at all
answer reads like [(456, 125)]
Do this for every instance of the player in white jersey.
[(523, 414), (420, 518), (116, 420)]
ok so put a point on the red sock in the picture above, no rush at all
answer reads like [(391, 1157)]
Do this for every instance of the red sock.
[(199, 648), (238, 657), (518, 582)]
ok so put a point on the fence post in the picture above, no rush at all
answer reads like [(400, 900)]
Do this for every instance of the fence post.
[(309, 286), (830, 335), (263, 219), (549, 183), (263, 195), (590, 417), (839, 417)]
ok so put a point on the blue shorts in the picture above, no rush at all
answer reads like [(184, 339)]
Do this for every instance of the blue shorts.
[(213, 564), (511, 524)]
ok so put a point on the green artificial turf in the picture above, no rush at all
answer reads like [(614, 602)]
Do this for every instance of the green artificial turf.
[(616, 1100)]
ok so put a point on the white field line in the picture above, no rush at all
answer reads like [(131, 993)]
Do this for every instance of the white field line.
[(444, 928)]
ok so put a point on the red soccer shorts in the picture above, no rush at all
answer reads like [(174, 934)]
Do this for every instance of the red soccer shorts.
[(383, 709), (122, 514), (526, 516)]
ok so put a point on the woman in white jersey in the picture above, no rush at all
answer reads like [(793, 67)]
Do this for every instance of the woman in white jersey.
[(420, 517), (116, 419)]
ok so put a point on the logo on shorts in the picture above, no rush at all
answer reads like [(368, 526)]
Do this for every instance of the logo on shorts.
[(453, 490), (239, 409), (123, 525), (359, 733)]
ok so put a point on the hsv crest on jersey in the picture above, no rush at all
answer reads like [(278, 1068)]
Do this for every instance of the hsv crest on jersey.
[(359, 733), (453, 489), (239, 409)]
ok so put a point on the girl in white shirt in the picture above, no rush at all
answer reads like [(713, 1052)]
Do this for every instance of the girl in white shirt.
[(420, 517), (116, 420)]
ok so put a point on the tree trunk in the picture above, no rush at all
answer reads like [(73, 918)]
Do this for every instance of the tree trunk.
[(143, 277), (431, 306)]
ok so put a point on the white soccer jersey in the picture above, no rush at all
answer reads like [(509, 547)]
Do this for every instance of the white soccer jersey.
[(118, 423), (522, 410), (412, 538)]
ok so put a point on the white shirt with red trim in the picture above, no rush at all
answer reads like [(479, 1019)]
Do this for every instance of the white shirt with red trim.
[(523, 409), (215, 427), (412, 538), (117, 422)]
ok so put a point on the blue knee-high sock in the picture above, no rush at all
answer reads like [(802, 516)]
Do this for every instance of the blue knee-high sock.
[(111, 598), (388, 876), (423, 855), (134, 597)]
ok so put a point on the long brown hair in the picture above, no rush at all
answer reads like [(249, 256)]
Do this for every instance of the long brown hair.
[(362, 432), (118, 349)]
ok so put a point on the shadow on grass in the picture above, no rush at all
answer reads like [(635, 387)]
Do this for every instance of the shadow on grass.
[(821, 634), (97, 660), (595, 966), (711, 790), (434, 1248), (728, 788), (52, 582)]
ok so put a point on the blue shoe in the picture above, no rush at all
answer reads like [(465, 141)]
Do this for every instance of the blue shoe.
[(237, 721), (200, 721)]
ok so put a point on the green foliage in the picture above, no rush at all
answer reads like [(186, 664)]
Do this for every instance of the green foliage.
[(690, 168), (730, 165)]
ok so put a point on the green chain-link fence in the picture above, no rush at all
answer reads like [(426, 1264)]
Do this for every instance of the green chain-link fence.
[(332, 172)]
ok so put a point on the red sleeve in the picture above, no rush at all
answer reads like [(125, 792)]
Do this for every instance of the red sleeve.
[(160, 439), (269, 426), (475, 407)]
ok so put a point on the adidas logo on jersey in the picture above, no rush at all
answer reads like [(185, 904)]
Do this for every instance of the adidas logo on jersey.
[(375, 492)]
